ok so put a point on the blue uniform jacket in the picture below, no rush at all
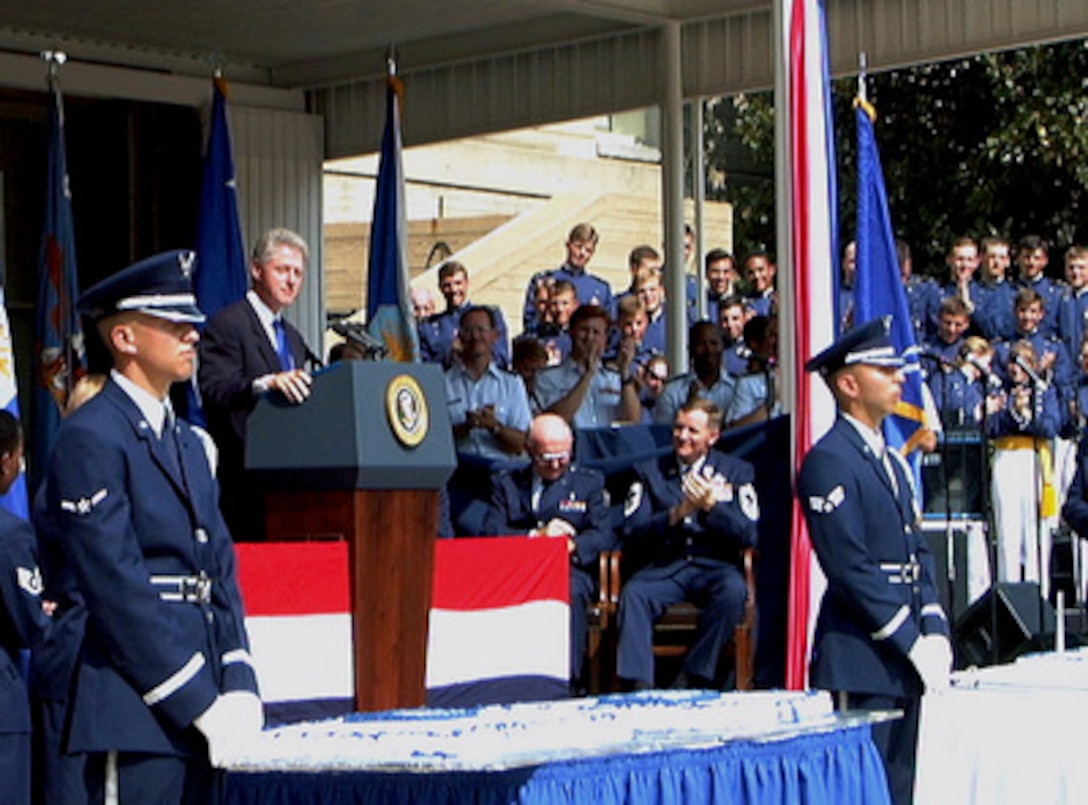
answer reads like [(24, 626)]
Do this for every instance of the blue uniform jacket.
[(22, 621), (1072, 316), (1044, 423), (924, 301), (578, 497), (124, 514), (1052, 292), (958, 398), (590, 289), (717, 535), (995, 310), (878, 601), (54, 658), (1075, 510)]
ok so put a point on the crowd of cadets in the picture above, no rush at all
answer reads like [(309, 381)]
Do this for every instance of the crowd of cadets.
[(635, 331), (1001, 353), (1005, 356)]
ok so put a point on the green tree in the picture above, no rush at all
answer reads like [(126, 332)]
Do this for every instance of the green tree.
[(996, 143)]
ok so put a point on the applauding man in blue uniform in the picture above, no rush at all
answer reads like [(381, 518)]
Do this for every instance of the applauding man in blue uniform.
[(881, 637), (689, 515), (164, 689)]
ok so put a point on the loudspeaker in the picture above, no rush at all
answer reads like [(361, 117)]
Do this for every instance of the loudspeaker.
[(1024, 620)]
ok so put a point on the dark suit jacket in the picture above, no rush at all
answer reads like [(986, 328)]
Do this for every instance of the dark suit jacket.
[(124, 511), (868, 621), (234, 350), (578, 497)]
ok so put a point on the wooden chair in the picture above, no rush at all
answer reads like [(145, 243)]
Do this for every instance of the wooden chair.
[(600, 662), (673, 631)]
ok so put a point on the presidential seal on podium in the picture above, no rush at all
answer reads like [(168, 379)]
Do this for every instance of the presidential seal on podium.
[(406, 408)]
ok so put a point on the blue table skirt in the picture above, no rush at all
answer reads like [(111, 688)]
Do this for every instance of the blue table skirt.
[(836, 767)]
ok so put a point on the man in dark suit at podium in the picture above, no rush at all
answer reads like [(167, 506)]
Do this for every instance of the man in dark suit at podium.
[(247, 350), (552, 498)]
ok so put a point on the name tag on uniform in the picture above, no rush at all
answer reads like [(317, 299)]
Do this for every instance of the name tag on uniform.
[(566, 506)]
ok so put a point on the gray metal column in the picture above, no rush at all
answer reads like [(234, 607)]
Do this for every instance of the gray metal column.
[(672, 185)]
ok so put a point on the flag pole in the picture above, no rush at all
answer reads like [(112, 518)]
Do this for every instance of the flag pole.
[(863, 75)]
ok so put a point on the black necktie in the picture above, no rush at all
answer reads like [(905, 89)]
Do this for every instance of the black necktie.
[(170, 443)]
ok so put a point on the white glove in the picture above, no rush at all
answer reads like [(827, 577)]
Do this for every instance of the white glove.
[(931, 656), (231, 724)]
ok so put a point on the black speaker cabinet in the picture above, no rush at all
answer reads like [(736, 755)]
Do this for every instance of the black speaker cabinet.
[(1024, 620)]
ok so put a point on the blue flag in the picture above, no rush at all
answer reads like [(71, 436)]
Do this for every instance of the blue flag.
[(878, 287), (388, 307), (58, 336), (220, 276)]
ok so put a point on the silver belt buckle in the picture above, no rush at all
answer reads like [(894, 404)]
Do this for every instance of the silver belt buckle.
[(199, 589)]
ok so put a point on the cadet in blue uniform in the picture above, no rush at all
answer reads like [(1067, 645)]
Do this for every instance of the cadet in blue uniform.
[(996, 295), (923, 295), (591, 289), (881, 636), (952, 324), (960, 387), (1055, 365), (164, 688), (22, 622), (689, 514), (1022, 469), (551, 498), (1032, 256), (1073, 308), (437, 332)]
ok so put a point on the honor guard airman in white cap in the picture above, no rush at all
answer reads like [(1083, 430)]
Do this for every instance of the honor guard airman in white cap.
[(164, 688)]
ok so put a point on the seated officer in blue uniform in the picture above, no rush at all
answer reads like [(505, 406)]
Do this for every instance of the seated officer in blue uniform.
[(881, 636), (688, 514), (22, 622), (552, 498), (164, 689)]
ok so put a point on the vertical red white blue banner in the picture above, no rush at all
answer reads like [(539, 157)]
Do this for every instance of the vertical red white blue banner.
[(220, 278), (58, 337), (388, 305), (812, 202), (878, 288)]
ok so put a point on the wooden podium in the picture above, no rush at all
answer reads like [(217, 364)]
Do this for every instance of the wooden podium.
[(362, 460)]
